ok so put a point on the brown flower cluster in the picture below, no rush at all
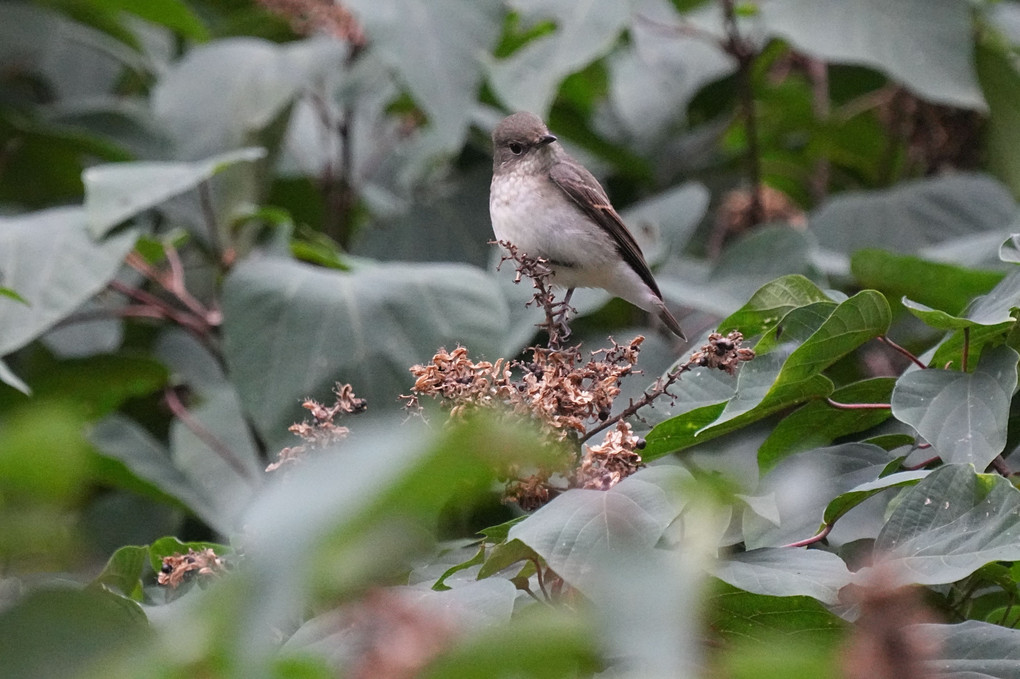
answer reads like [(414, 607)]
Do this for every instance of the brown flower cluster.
[(723, 353), (570, 398), (616, 458), (322, 431), (554, 388), (307, 17), (179, 568)]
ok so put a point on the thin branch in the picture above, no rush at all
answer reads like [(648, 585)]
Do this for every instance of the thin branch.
[(999, 465), (966, 349), (196, 324), (741, 50), (209, 212), (905, 352), (826, 529), (659, 388), (179, 410), (818, 76), (922, 465), (683, 29), (858, 406), (540, 578)]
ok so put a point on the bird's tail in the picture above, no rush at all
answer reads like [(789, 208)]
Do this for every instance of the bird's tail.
[(670, 320)]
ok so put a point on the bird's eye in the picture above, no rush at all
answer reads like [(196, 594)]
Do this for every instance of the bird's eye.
[(516, 149)]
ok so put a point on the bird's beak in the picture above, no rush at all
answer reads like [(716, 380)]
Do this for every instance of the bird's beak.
[(546, 139)]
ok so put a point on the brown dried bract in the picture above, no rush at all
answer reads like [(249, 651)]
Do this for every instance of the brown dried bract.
[(605, 465), (179, 568), (322, 431), (723, 353), (308, 17)]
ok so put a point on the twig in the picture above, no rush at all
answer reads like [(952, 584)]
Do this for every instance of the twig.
[(194, 323), (966, 349), (741, 50), (658, 388), (999, 465), (826, 529), (173, 402), (905, 352), (924, 464), (859, 406), (211, 223), (540, 578), (818, 76)]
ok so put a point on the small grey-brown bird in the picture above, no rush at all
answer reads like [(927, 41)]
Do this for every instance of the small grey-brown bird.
[(548, 205)]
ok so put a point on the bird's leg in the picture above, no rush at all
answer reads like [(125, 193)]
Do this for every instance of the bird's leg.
[(561, 312)]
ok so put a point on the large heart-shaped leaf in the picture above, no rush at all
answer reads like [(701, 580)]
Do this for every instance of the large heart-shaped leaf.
[(963, 415), (925, 44), (49, 259), (292, 331), (786, 572), (580, 525), (118, 191), (950, 524)]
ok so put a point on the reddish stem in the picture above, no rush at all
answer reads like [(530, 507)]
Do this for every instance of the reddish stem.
[(826, 529)]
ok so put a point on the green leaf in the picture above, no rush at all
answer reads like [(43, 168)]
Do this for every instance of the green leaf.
[(770, 304), (8, 377), (63, 632), (739, 615), (117, 192), (864, 316), (75, 60), (850, 499), (367, 327), (98, 385), (975, 649), (120, 439), (803, 485), (786, 572), (942, 320), (55, 265), (1000, 81), (477, 560), (123, 571), (579, 525), (174, 14), (943, 286), (528, 79), (962, 415), (505, 555), (237, 92), (817, 423), (999, 305), (358, 512), (215, 449), (1009, 251), (437, 47), (950, 524), (498, 533), (12, 294), (776, 380), (914, 214), (657, 74), (542, 642), (926, 45)]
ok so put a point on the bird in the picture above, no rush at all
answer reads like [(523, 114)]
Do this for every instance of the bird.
[(548, 205)]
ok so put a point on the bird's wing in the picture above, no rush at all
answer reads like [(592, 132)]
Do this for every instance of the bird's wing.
[(589, 196)]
